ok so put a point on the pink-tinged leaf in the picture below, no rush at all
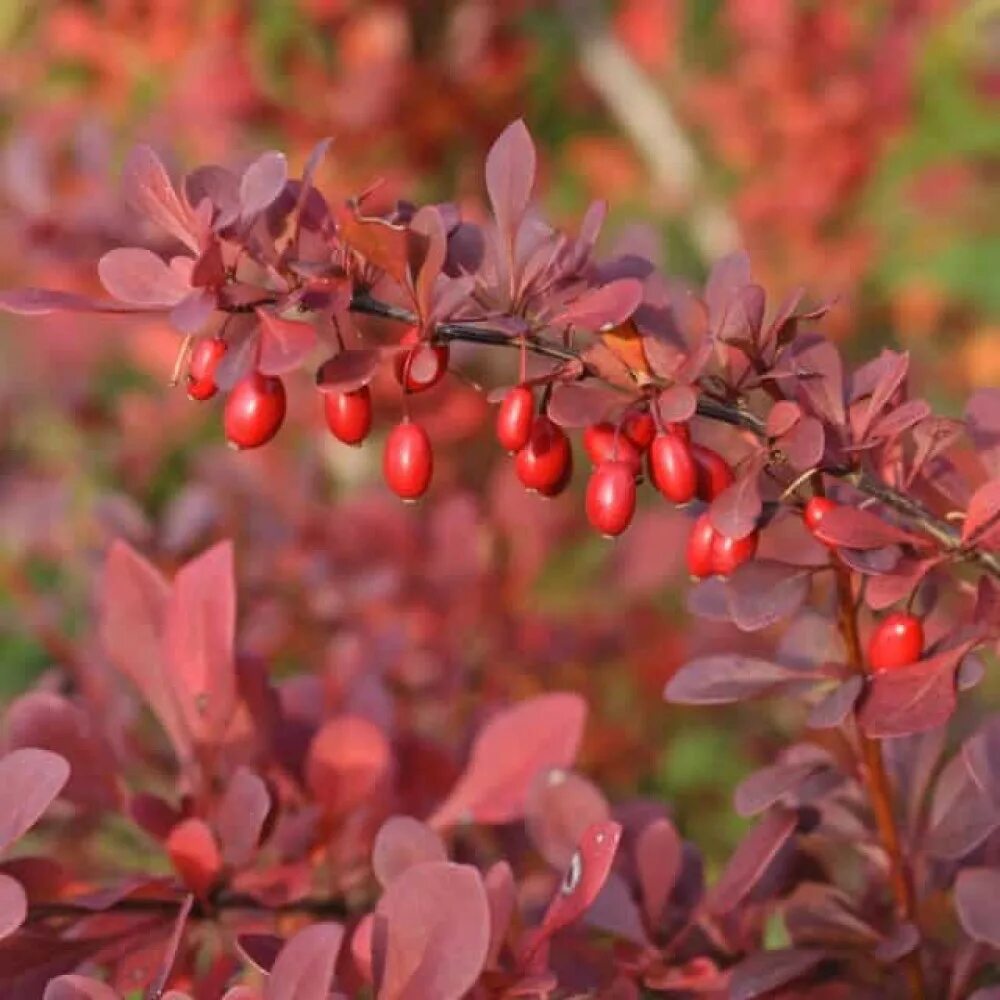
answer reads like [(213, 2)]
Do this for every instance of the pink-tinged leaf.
[(744, 316), (903, 939), (41, 301), (193, 312), (72, 987), (677, 404), (659, 859), (149, 191), (284, 344), (381, 243), (602, 308), (977, 900), (428, 226), (560, 807), (437, 932), (762, 592), (199, 636), (922, 696), (220, 187), (736, 510), (508, 752), (762, 973), (501, 894), (982, 419), (751, 860), (886, 589), (899, 419), (262, 182), (854, 528), (305, 966), (727, 678), (982, 518), (137, 276), (194, 853), (47, 721), (510, 176), (784, 415), (585, 876), (803, 445), (401, 843), (13, 905), (728, 275), (241, 816), (764, 788), (347, 764), (892, 369), (834, 707), (821, 377), (579, 404), (30, 779), (348, 370)]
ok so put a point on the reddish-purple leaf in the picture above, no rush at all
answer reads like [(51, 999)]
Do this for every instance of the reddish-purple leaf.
[(659, 859), (982, 418), (137, 276), (763, 788), (615, 911), (821, 377), (886, 589), (284, 343), (744, 315), (262, 182), (510, 176), (428, 225), (602, 308), (576, 404), (348, 370), (783, 416), (220, 187), (199, 635), (977, 900), (728, 275), (922, 696), (508, 752), (149, 191), (41, 301), (347, 764), (736, 510), (982, 517), (803, 445), (560, 806), (855, 528), (889, 369), (760, 974), (30, 779), (725, 678), (193, 312), (981, 753), (241, 815), (751, 859), (677, 404), (902, 939), (13, 905), (962, 816), (834, 707), (437, 932), (899, 419), (305, 966), (401, 843), (71, 987), (260, 950), (762, 592), (379, 242)]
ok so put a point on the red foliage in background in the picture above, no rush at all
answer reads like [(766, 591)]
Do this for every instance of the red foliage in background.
[(335, 832)]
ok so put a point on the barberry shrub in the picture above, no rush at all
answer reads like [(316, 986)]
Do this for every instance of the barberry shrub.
[(312, 846)]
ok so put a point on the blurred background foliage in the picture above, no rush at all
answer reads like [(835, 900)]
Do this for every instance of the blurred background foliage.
[(852, 145)]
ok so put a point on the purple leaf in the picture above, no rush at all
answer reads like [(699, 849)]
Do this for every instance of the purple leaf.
[(560, 807), (348, 370), (834, 707), (284, 343), (891, 368), (962, 817), (763, 788), (887, 589), (728, 275), (977, 900), (659, 859), (41, 301), (677, 404), (403, 842), (981, 753), (510, 175), (803, 445), (222, 189), (138, 277), (766, 971), (982, 418), (193, 311), (601, 308), (305, 966), (854, 528), (783, 416), (762, 592), (903, 939), (429, 225), (262, 182), (736, 510), (751, 860), (437, 932), (149, 191), (982, 517), (30, 779), (821, 378), (241, 815), (575, 404), (13, 905), (726, 678), (744, 315)]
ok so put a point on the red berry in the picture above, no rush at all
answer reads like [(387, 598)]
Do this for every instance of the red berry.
[(423, 365), (714, 473), (545, 463), (671, 468), (699, 547), (255, 410), (408, 461), (610, 501), (897, 641), (515, 417), (816, 509), (202, 365), (349, 414), (604, 443), (728, 554), (640, 429)]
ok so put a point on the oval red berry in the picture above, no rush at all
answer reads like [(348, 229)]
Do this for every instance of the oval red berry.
[(255, 410), (545, 463), (671, 468), (349, 414), (898, 641), (515, 417), (408, 461), (610, 501)]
